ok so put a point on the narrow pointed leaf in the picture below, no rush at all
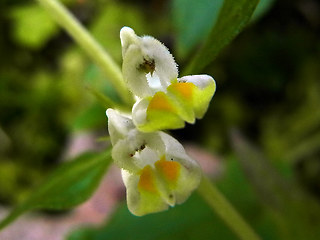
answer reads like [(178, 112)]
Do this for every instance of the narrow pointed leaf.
[(233, 17), (200, 15)]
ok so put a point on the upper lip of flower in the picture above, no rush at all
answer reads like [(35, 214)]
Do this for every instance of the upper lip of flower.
[(148, 66)]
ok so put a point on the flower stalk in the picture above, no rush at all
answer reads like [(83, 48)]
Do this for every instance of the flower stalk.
[(223, 208), (110, 68)]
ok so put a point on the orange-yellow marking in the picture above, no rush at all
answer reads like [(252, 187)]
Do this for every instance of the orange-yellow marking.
[(185, 89), (169, 169), (146, 181), (160, 102)]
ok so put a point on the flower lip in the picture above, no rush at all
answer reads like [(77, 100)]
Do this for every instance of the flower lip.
[(184, 100), (168, 179)]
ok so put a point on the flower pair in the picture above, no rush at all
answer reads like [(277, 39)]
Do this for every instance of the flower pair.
[(155, 168)]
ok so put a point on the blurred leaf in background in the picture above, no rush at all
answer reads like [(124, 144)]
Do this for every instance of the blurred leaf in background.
[(193, 21), (69, 185), (233, 17), (36, 100), (110, 19), (297, 134), (295, 211), (33, 27), (262, 8)]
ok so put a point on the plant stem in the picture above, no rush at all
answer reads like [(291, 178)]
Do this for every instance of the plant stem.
[(90, 45), (211, 194)]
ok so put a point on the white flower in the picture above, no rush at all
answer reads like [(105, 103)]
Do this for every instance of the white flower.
[(165, 101), (156, 170)]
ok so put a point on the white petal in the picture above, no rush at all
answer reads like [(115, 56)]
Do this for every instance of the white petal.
[(118, 125), (139, 112), (145, 58), (190, 174), (176, 150), (135, 77), (201, 81), (165, 66), (124, 156), (132, 149), (127, 37), (154, 82)]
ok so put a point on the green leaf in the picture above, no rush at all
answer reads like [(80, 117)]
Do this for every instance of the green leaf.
[(262, 8), (200, 16), (71, 184), (233, 17)]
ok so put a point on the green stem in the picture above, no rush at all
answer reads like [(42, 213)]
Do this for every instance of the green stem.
[(86, 41), (225, 210)]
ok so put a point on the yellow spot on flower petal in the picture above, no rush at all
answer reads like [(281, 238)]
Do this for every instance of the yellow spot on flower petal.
[(185, 89), (169, 169), (146, 181), (161, 102)]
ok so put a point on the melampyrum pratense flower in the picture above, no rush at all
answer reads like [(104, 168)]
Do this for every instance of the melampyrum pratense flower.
[(164, 100), (156, 170)]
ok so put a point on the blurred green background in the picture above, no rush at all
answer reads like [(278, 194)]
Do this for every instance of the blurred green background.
[(268, 90)]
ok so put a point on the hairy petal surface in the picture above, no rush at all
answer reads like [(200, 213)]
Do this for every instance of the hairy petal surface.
[(147, 64)]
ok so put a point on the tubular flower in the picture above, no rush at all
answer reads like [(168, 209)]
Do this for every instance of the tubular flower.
[(164, 100), (156, 170)]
